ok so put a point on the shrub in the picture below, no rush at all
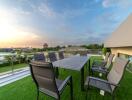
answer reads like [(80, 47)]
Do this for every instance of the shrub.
[(4, 64), (105, 50)]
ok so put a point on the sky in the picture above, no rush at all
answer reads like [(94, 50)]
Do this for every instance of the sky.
[(31, 23)]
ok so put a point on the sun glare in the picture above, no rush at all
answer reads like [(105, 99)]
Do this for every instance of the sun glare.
[(12, 34), (6, 26)]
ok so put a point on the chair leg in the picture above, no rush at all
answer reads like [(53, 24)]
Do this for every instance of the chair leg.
[(92, 72), (37, 94), (89, 66), (87, 92), (71, 88), (57, 72), (58, 98), (113, 97)]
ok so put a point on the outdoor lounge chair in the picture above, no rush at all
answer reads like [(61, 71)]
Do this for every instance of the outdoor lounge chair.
[(61, 55), (103, 69), (52, 56), (44, 78), (39, 57), (113, 78), (102, 62)]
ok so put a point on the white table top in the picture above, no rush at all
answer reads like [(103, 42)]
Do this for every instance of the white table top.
[(73, 63)]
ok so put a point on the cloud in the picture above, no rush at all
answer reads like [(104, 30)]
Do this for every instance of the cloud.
[(85, 40), (46, 10), (45, 22), (106, 3), (64, 29), (18, 37), (20, 11), (118, 3), (71, 13), (43, 8), (78, 39), (107, 21), (12, 34)]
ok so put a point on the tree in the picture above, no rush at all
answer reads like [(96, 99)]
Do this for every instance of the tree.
[(105, 50), (19, 57), (10, 59)]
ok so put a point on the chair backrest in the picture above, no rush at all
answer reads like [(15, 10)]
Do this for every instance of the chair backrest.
[(117, 71), (43, 75), (109, 62), (61, 55), (107, 56), (39, 57), (52, 56)]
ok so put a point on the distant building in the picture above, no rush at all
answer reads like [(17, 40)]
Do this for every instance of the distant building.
[(74, 48), (45, 45), (26, 49), (120, 41), (7, 50)]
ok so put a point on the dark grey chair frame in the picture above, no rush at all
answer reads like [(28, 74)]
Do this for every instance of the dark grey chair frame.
[(102, 62), (39, 57), (103, 69), (105, 85), (59, 90), (61, 55), (52, 56)]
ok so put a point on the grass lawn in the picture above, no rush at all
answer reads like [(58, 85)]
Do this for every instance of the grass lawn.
[(8, 68), (25, 89)]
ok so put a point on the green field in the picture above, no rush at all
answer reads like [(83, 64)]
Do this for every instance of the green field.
[(9, 68), (25, 89)]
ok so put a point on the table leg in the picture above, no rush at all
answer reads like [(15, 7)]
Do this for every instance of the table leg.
[(89, 66), (57, 72), (82, 79)]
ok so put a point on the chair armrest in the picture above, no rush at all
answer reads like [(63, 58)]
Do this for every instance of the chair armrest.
[(104, 69), (101, 80), (65, 82), (100, 69)]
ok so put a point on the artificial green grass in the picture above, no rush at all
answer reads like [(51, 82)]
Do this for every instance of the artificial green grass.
[(9, 68), (25, 89)]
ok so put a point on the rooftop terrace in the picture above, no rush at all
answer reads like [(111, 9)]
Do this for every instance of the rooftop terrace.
[(25, 89)]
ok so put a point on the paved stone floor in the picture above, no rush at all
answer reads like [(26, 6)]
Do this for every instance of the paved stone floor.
[(9, 77)]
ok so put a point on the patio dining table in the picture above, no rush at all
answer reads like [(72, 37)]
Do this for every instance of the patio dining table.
[(76, 63)]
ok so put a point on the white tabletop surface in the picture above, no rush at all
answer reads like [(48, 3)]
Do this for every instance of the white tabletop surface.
[(73, 63)]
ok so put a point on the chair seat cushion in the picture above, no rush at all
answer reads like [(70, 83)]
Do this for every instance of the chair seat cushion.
[(48, 92), (58, 82), (61, 84), (98, 84), (51, 93)]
